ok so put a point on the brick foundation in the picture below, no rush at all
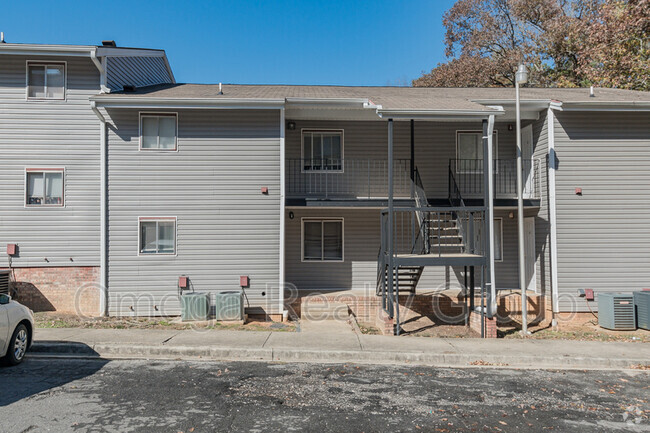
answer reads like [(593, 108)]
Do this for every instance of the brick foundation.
[(490, 325), (69, 289)]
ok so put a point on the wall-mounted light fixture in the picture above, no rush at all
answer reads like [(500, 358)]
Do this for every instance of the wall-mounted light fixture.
[(511, 215), (291, 215), (291, 126)]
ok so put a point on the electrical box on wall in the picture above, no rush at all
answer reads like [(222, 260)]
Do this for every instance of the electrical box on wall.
[(184, 282), (12, 249), (244, 281)]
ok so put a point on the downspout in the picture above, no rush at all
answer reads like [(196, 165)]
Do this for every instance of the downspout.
[(101, 66), (552, 209), (103, 267), (282, 212)]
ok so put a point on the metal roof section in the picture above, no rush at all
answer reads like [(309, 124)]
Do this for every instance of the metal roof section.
[(94, 52)]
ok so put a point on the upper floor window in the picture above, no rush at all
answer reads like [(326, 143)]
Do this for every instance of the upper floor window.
[(158, 131), (469, 152), (45, 80), (158, 235), (322, 150), (44, 187)]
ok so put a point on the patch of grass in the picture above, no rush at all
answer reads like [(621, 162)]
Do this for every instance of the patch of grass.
[(369, 329)]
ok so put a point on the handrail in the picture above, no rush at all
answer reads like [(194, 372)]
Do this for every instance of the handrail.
[(363, 178), (468, 175)]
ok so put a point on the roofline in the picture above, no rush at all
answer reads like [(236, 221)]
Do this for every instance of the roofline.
[(107, 101), (606, 106)]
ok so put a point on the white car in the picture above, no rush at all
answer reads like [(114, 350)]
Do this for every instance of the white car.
[(16, 330)]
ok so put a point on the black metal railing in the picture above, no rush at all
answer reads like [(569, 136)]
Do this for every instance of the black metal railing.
[(347, 178), (468, 175)]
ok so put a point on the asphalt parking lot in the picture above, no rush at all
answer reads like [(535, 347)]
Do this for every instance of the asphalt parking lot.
[(62, 395)]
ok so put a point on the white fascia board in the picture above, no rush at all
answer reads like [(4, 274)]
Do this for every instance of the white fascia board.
[(47, 50), (437, 114), (186, 103), (607, 106)]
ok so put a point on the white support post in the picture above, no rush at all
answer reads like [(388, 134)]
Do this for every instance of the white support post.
[(282, 211), (520, 221), (492, 306), (103, 209), (552, 210)]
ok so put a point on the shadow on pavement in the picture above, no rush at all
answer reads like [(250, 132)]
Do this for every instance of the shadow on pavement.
[(35, 375)]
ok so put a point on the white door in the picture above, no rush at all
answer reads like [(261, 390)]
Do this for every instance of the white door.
[(4, 329), (527, 160), (529, 253)]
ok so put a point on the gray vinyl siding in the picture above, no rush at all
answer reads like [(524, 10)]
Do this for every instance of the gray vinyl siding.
[(603, 234), (136, 71), (361, 240), (55, 134), (435, 145), (226, 227), (542, 226)]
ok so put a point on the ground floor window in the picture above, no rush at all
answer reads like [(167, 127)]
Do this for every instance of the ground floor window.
[(322, 239), (158, 235)]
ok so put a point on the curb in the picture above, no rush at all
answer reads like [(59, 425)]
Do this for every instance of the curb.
[(121, 351)]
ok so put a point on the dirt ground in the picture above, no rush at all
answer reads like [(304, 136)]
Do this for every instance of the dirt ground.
[(60, 320), (416, 325)]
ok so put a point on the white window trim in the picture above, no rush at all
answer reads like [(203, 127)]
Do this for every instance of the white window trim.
[(158, 218), (496, 150), (501, 235), (47, 62), (43, 170), (142, 114), (302, 149), (302, 238)]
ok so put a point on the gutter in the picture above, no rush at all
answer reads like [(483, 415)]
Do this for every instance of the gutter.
[(552, 210), (103, 251), (186, 103), (431, 114)]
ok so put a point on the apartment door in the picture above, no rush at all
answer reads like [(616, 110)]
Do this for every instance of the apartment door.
[(527, 160), (529, 253)]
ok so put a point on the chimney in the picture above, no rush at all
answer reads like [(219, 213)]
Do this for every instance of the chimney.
[(591, 92), (109, 44)]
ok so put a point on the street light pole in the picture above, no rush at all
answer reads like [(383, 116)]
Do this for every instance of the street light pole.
[(521, 77)]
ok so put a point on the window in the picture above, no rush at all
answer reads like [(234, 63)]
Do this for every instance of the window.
[(322, 240), (478, 236), (45, 80), (158, 236), (322, 150), (469, 152), (44, 187), (158, 132)]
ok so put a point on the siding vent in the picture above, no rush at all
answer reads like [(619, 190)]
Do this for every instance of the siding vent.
[(616, 311), (110, 44)]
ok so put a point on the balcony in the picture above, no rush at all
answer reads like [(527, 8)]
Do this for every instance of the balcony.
[(346, 178), (468, 174)]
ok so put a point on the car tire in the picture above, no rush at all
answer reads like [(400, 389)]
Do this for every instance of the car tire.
[(18, 345)]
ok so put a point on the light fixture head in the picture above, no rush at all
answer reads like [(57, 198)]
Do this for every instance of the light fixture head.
[(521, 76)]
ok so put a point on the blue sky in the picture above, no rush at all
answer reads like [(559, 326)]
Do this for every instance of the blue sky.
[(353, 42)]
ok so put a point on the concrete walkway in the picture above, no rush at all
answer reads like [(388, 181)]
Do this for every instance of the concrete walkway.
[(335, 342)]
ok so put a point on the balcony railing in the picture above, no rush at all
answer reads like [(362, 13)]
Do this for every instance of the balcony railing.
[(468, 174), (347, 178)]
